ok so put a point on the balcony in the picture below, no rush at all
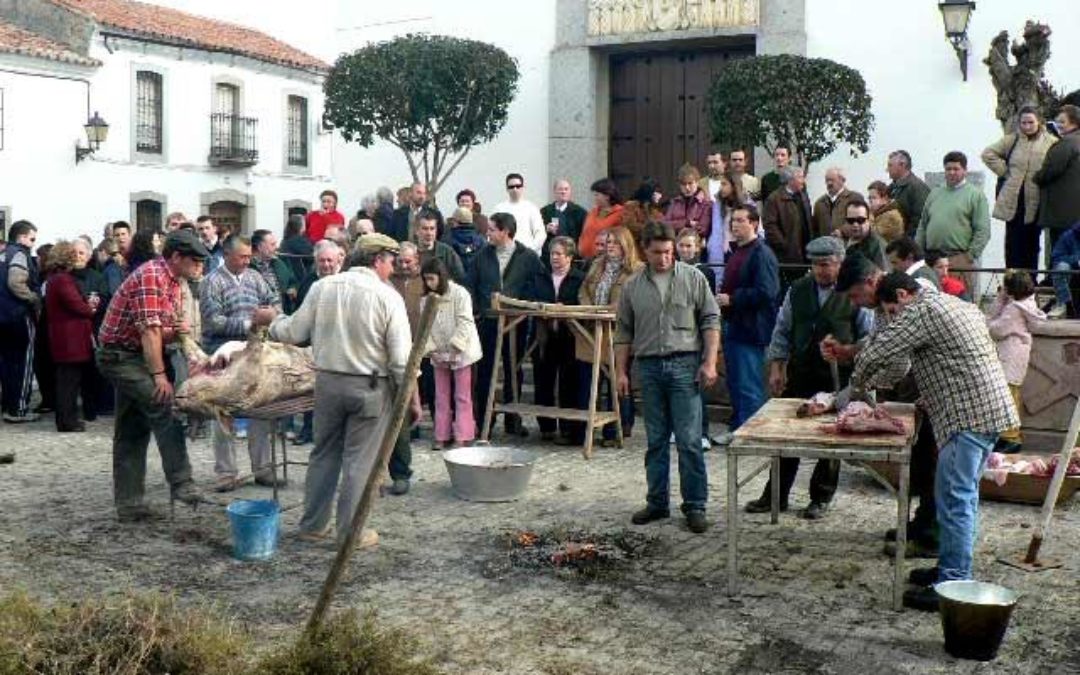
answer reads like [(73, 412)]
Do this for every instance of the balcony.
[(233, 140)]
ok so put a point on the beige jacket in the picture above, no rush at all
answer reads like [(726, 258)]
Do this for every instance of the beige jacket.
[(454, 326), (1026, 159)]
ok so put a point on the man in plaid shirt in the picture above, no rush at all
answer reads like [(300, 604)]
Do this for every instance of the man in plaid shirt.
[(143, 316), (966, 395)]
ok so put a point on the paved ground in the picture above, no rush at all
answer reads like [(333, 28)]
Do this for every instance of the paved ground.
[(815, 596)]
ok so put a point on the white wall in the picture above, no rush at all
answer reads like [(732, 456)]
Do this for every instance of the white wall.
[(921, 104)]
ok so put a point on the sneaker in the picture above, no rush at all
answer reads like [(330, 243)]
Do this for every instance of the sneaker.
[(706, 445), (226, 484), (1058, 311), (723, 438), (315, 537), (695, 522), (21, 419), (648, 515), (924, 599), (763, 504), (187, 493), (815, 511), (400, 486), (923, 576)]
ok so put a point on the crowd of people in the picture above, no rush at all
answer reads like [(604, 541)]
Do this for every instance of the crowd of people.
[(712, 279)]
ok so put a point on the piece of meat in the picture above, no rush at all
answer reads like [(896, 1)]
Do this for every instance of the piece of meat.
[(262, 373), (860, 418), (1073, 468), (818, 404)]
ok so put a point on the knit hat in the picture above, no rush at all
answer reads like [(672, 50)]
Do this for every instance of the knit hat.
[(463, 215)]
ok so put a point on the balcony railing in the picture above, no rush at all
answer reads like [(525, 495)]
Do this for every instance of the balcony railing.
[(233, 140)]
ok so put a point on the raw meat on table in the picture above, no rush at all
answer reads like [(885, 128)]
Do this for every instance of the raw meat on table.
[(999, 466), (860, 418)]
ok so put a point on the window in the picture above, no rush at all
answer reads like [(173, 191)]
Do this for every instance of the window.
[(297, 130), (147, 215), (148, 112)]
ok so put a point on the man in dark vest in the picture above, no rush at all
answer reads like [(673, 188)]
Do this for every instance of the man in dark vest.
[(812, 310), (20, 303)]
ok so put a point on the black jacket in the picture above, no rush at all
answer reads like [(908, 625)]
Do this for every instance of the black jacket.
[(571, 223), (1059, 183), (568, 290), (524, 278), (400, 229)]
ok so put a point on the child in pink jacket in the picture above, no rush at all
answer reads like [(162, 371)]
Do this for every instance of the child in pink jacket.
[(1012, 315)]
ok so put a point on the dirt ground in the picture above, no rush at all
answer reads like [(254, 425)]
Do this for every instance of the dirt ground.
[(815, 596)]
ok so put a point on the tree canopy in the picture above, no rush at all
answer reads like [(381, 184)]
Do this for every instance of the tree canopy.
[(432, 96), (813, 105)]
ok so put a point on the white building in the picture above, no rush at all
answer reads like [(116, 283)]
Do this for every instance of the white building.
[(204, 117)]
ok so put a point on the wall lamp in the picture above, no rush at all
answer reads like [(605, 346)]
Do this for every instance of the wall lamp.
[(957, 14), (97, 130)]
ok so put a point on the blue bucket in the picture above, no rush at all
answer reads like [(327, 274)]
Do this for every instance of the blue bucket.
[(255, 528)]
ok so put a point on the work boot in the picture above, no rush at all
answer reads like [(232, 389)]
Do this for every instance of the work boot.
[(187, 493), (815, 511), (648, 515), (763, 504), (695, 522), (923, 576), (400, 486), (924, 599)]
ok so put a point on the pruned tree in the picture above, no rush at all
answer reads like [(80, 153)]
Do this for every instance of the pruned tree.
[(812, 104), (432, 96), (1023, 83)]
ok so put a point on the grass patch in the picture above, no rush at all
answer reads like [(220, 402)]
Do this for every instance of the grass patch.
[(150, 635)]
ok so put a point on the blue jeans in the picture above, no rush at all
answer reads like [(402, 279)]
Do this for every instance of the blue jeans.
[(956, 491), (1061, 283), (672, 404), (745, 378)]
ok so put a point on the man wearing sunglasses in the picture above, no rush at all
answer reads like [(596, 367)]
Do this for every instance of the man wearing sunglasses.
[(531, 231), (859, 237)]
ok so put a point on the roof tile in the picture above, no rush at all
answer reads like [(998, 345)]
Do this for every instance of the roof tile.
[(178, 27), (15, 40)]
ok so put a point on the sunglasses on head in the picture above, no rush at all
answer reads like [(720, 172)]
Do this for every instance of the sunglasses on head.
[(859, 220)]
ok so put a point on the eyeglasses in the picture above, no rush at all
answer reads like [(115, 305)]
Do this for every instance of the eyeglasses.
[(516, 186), (856, 221)]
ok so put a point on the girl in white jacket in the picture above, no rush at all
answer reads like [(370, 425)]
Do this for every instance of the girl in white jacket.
[(453, 348)]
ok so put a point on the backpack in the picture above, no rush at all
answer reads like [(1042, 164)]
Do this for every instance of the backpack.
[(466, 242)]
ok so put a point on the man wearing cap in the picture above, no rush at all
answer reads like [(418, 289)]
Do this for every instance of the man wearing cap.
[(812, 310), (143, 316), (359, 333), (859, 279)]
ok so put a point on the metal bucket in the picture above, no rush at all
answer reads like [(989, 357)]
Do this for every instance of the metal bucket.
[(974, 617), (489, 474)]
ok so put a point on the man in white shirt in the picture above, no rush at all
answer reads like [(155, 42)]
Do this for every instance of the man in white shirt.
[(714, 170), (530, 224), (360, 339)]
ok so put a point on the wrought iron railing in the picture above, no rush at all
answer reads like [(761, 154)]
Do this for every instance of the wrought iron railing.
[(233, 139)]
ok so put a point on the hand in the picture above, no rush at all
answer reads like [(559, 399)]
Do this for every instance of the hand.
[(723, 299), (163, 389), (182, 328), (777, 377), (833, 350), (416, 411), (706, 375), (622, 385), (553, 227), (94, 301), (263, 316), (291, 293)]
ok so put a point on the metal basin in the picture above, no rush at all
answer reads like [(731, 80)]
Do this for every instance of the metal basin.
[(489, 474), (974, 617)]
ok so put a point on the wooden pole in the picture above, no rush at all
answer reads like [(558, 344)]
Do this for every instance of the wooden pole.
[(386, 447), (1067, 446)]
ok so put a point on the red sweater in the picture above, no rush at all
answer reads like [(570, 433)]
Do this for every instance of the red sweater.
[(70, 320), (317, 221)]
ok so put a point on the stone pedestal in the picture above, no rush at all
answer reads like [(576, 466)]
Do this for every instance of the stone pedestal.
[(1052, 384)]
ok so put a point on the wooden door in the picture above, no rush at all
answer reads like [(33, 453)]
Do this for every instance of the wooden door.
[(659, 113), (148, 215)]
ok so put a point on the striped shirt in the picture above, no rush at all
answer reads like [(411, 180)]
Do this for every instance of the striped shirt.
[(227, 302), (954, 363)]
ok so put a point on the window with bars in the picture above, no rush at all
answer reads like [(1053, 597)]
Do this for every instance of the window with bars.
[(296, 128), (148, 112)]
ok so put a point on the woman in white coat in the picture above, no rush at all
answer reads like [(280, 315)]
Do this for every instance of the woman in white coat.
[(453, 348)]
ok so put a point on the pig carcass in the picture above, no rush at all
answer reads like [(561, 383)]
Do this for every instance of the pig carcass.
[(260, 373), (860, 418)]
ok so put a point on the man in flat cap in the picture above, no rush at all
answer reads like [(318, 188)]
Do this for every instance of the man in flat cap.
[(359, 333), (146, 314), (812, 310)]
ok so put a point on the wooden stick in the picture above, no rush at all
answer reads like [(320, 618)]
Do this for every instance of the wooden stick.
[(367, 501), (1067, 446)]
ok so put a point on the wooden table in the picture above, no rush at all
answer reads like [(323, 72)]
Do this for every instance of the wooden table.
[(273, 413), (776, 432)]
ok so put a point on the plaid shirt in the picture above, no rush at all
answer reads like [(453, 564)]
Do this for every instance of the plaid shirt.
[(150, 296), (953, 360)]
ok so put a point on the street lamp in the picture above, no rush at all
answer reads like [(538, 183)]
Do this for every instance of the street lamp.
[(957, 14), (97, 130)]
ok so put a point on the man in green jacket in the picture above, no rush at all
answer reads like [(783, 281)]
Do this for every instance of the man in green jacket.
[(276, 272), (956, 219)]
